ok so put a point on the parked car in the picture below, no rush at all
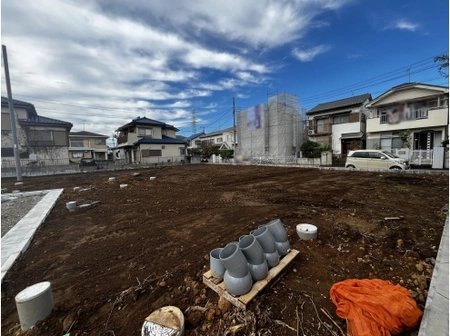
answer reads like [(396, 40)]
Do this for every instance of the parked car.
[(375, 159), (88, 162)]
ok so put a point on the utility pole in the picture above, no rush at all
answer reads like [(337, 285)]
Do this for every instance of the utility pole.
[(12, 115), (234, 129), (194, 122)]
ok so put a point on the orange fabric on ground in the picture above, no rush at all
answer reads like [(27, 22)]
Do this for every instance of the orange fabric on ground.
[(375, 307)]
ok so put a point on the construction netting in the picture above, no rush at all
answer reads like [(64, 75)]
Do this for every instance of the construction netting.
[(375, 307)]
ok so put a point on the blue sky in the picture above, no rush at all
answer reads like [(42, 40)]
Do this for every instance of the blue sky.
[(100, 63)]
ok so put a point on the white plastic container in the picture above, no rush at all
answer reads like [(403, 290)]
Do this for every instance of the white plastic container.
[(111, 179), (306, 231), (34, 304), (123, 186), (152, 178)]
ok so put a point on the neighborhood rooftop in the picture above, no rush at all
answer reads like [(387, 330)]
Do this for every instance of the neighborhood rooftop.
[(351, 101), (217, 132), (86, 133), (147, 121)]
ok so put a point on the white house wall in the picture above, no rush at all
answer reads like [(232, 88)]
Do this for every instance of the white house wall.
[(339, 129), (436, 117)]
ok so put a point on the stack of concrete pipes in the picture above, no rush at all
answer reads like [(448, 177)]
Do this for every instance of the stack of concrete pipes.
[(241, 263)]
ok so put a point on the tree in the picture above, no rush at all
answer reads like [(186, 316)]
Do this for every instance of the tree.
[(442, 60), (210, 150), (405, 136), (311, 149)]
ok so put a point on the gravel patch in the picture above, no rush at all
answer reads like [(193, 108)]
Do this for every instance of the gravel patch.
[(15, 209)]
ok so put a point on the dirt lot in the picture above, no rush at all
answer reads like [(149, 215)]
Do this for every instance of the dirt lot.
[(146, 246)]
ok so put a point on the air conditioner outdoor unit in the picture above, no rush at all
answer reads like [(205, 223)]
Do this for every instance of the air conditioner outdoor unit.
[(311, 132)]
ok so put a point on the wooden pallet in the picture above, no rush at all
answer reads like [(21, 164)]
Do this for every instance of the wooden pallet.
[(241, 301)]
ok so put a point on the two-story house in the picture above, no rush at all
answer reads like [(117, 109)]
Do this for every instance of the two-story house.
[(223, 138), (420, 108), (145, 140), (340, 124), (40, 139), (87, 145), (194, 141)]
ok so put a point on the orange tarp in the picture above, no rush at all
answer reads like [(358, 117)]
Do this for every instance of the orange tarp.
[(375, 307)]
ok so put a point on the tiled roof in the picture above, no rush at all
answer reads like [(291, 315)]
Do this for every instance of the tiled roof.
[(45, 120), (147, 121), (86, 133), (416, 83), (165, 140), (16, 102), (193, 136), (341, 103), (229, 129)]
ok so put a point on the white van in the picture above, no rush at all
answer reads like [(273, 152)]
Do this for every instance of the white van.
[(375, 159)]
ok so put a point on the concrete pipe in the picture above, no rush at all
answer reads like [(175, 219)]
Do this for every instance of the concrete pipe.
[(265, 239), (256, 261), (279, 234), (237, 277), (215, 264), (71, 206), (34, 304)]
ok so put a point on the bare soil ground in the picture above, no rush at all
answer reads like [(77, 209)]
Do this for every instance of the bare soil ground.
[(147, 246)]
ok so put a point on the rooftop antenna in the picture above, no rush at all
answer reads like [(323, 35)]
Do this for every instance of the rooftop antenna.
[(409, 74), (84, 127)]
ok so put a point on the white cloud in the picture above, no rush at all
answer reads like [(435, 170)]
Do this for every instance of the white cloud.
[(256, 22), (107, 61), (354, 56), (403, 24), (307, 55)]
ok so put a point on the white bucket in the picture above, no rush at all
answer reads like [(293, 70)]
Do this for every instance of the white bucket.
[(306, 231), (123, 186)]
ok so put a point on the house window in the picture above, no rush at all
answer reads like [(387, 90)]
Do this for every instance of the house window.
[(182, 151), (432, 103), (321, 126), (77, 155), (147, 132), (341, 119), (151, 152), (7, 152), (40, 137), (76, 143), (442, 102), (219, 140), (198, 142), (101, 142), (164, 132)]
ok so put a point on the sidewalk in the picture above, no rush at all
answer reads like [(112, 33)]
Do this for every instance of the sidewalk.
[(436, 315), (17, 240)]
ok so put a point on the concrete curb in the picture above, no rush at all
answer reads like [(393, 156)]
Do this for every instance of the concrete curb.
[(435, 317), (19, 238)]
